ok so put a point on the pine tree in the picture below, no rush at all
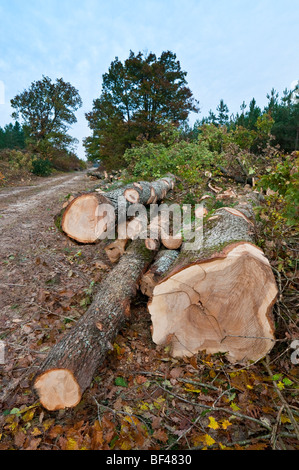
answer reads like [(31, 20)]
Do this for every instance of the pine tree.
[(223, 111)]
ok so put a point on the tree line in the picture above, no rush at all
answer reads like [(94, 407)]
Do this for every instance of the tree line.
[(12, 136), (140, 98)]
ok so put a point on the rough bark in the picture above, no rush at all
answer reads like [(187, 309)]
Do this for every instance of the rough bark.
[(218, 296), (82, 220), (73, 361)]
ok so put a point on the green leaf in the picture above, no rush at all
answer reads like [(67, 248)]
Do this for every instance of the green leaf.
[(121, 382), (287, 381)]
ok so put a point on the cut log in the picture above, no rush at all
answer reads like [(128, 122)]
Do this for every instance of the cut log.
[(160, 231), (242, 179), (70, 366), (160, 266), (218, 296), (133, 231), (95, 174), (82, 221), (116, 249)]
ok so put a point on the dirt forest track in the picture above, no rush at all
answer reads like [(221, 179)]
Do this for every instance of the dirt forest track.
[(19, 204), (35, 257)]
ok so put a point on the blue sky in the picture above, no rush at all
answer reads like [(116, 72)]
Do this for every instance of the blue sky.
[(231, 49)]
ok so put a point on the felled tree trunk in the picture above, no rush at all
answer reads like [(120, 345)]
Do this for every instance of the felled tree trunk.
[(242, 179), (218, 296), (82, 220), (73, 361)]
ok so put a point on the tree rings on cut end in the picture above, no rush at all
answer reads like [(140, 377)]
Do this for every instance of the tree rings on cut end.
[(132, 195), (222, 304), (58, 389), (79, 220)]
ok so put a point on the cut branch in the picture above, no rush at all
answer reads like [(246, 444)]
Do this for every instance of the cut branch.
[(116, 249), (159, 231)]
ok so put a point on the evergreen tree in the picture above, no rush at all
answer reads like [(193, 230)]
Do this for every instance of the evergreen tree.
[(223, 111), (12, 136), (285, 114)]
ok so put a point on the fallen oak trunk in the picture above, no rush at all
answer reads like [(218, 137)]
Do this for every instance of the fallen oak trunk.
[(148, 193), (81, 220), (218, 297), (70, 366), (242, 179)]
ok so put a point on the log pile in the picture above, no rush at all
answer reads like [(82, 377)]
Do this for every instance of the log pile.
[(96, 173), (215, 295), (83, 222)]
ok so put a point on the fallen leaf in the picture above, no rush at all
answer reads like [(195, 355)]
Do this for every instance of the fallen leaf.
[(225, 424), (19, 438), (161, 435), (33, 444), (36, 432), (213, 423), (234, 407), (156, 422), (209, 440), (120, 382), (72, 444), (97, 439), (176, 372)]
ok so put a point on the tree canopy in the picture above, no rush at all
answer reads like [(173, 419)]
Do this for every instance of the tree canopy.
[(138, 98), (48, 110)]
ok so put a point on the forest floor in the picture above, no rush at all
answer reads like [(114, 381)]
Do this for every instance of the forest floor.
[(141, 397)]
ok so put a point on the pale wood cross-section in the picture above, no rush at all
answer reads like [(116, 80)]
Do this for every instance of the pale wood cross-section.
[(218, 298)]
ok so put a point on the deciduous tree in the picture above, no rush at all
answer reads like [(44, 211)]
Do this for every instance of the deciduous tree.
[(48, 110), (138, 98)]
